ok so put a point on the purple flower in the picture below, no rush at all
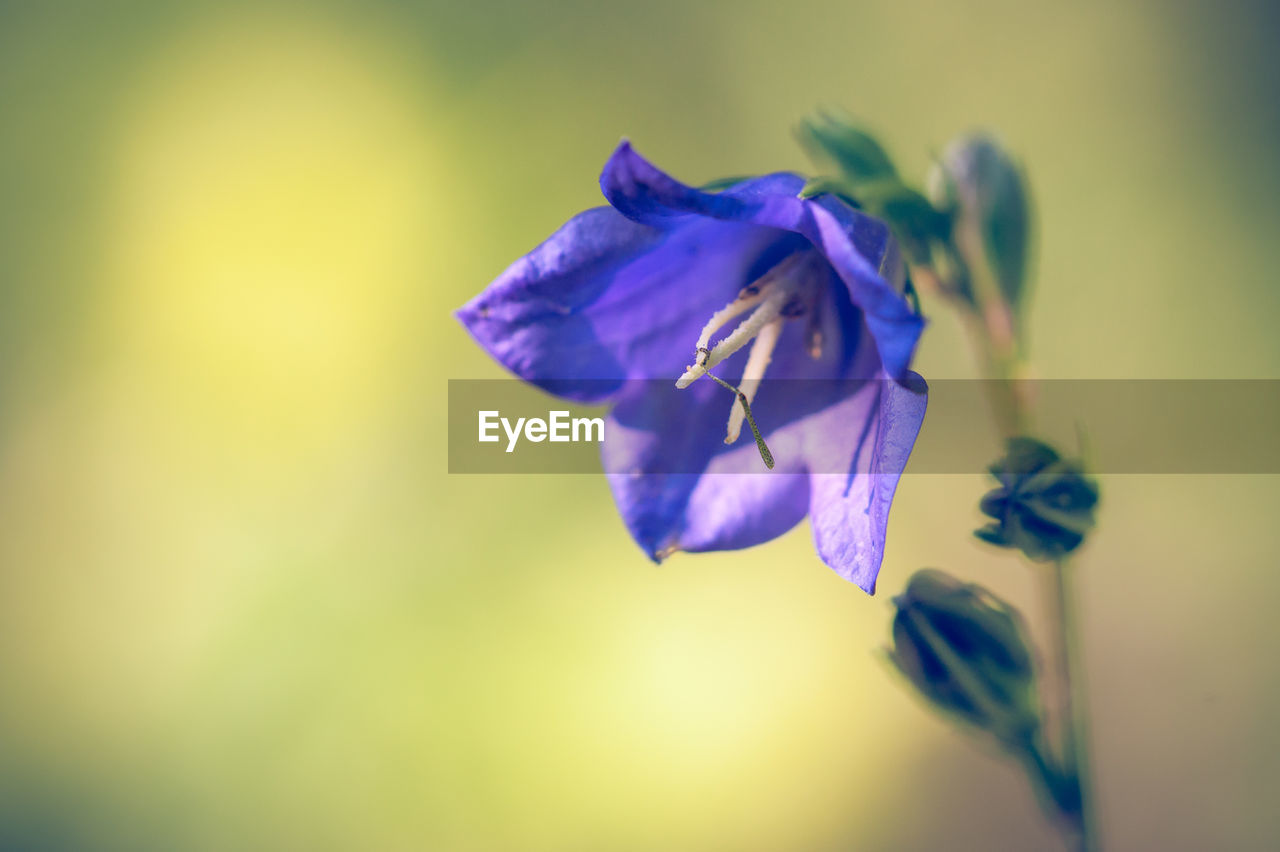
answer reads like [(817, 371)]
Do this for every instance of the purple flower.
[(671, 282)]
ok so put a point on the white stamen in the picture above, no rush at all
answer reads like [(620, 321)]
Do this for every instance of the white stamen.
[(739, 337), (757, 362), (786, 276), (790, 289), (748, 299)]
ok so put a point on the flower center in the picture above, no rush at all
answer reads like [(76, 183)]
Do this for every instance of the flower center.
[(788, 290)]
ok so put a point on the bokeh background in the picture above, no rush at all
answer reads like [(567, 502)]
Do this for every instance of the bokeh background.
[(243, 605)]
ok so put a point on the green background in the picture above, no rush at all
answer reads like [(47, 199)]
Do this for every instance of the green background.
[(242, 606)]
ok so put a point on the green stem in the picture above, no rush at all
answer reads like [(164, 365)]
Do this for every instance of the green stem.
[(1002, 368), (1056, 790), (1073, 734), (1068, 783), (992, 328)]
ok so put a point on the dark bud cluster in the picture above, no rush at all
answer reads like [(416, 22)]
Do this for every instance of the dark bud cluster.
[(1044, 505)]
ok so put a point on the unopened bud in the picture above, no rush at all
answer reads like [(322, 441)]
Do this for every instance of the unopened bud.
[(965, 650), (984, 188)]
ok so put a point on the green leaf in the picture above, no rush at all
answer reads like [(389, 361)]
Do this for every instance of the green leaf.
[(836, 140), (916, 223)]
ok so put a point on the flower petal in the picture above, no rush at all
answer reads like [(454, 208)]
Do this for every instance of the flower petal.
[(849, 512), (677, 484), (678, 487), (606, 299), (857, 246)]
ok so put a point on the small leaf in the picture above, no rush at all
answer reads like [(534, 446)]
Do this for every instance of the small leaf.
[(916, 223), (836, 140)]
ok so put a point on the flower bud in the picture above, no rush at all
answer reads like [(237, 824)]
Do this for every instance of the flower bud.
[(1044, 505), (983, 186), (965, 650)]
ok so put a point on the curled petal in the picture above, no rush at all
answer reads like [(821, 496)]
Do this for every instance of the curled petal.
[(849, 512), (606, 299), (645, 194), (678, 487)]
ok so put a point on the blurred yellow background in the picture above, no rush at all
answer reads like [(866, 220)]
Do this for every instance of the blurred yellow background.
[(243, 606)]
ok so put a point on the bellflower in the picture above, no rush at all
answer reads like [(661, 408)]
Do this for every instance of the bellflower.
[(623, 304)]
